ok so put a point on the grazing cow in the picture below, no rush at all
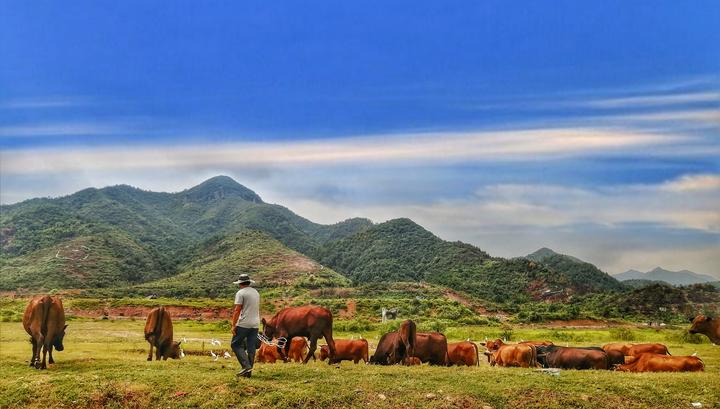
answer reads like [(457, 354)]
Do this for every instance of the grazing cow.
[(390, 350), (297, 349), (463, 353), (629, 349), (267, 354), (408, 332), (572, 358), (431, 347), (355, 350), (524, 356), (708, 326), (662, 363), (310, 321), (159, 333), (44, 321)]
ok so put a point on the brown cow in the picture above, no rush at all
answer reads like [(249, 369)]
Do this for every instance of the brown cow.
[(159, 333), (708, 326), (572, 358), (413, 360), (536, 343), (44, 321), (629, 349), (297, 349), (311, 322), (662, 363), (463, 353), (431, 347), (355, 350), (524, 356), (267, 354), (390, 350)]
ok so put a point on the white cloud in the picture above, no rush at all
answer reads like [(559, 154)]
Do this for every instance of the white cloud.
[(448, 147), (655, 100)]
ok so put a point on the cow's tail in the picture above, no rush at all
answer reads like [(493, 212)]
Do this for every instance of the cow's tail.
[(477, 354), (157, 330), (46, 304)]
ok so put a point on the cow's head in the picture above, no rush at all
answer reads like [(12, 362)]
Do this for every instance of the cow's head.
[(58, 344), (174, 352), (700, 325), (493, 345), (269, 329), (324, 352)]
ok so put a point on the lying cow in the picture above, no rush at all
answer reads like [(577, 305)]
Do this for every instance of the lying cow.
[(463, 353), (572, 358), (431, 347), (662, 363), (524, 356), (355, 350), (44, 321), (298, 346), (708, 326), (629, 349), (269, 354), (536, 343), (159, 333)]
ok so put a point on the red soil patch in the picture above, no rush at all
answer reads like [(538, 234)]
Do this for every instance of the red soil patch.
[(210, 313)]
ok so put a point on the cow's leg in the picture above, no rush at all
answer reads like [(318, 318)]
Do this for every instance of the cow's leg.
[(50, 358), (330, 342), (313, 346), (151, 340), (158, 352), (34, 351), (44, 359), (40, 345)]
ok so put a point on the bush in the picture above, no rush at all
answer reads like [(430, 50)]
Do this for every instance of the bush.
[(432, 325), (506, 332), (685, 337), (622, 334), (354, 325)]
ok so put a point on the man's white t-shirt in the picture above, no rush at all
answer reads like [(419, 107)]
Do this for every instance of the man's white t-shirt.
[(249, 298)]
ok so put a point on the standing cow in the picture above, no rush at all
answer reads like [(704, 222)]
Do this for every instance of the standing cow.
[(310, 321), (159, 333), (463, 353), (708, 326), (44, 321)]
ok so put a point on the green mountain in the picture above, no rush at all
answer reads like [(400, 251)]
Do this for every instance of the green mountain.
[(270, 263), (585, 276), (401, 250), (683, 277), (158, 232)]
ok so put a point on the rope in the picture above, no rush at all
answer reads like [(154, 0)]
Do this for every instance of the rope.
[(280, 343)]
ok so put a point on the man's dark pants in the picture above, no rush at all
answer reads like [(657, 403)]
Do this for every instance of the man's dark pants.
[(244, 343)]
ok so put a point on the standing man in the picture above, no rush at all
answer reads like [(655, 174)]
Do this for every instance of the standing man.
[(246, 320)]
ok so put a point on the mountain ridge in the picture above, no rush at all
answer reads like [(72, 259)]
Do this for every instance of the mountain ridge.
[(682, 277)]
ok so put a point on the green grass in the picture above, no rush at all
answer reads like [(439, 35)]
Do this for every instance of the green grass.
[(104, 366)]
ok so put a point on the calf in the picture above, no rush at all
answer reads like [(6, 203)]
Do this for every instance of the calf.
[(268, 354), (463, 353), (298, 345), (347, 350), (662, 363)]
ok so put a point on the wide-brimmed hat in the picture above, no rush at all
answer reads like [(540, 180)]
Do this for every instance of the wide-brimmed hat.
[(244, 279)]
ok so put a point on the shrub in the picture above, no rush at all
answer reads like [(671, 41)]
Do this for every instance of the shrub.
[(622, 334), (506, 333)]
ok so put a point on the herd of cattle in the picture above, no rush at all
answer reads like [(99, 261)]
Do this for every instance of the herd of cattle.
[(44, 321)]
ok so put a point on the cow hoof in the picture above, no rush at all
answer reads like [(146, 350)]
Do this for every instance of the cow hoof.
[(38, 365)]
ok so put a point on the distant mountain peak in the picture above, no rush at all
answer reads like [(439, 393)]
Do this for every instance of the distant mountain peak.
[(544, 252), (683, 277), (220, 187)]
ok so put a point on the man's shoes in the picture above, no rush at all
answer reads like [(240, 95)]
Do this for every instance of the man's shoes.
[(246, 373)]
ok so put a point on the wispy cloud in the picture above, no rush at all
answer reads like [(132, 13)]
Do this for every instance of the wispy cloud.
[(60, 129), (654, 100), (57, 101), (528, 144)]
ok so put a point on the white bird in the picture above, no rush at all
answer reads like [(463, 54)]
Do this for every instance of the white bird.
[(215, 342), (182, 353), (184, 340), (226, 355), (694, 353), (214, 355)]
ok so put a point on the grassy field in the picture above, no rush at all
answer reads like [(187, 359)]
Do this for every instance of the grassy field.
[(104, 365)]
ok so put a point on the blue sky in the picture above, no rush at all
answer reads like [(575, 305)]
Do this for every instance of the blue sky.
[(589, 127)]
